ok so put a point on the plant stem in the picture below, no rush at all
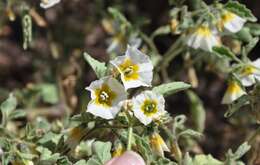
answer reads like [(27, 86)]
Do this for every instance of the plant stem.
[(149, 42), (130, 135)]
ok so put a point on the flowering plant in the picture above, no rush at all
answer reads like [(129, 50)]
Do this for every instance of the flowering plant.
[(137, 92)]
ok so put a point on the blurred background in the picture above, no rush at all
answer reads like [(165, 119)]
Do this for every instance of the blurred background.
[(49, 78)]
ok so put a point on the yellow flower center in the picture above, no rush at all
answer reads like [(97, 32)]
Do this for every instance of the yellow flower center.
[(227, 17), (149, 107), (105, 96), (129, 70), (248, 70), (204, 31), (233, 87)]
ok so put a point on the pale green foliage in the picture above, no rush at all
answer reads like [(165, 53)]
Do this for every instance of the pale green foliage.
[(171, 88), (198, 113), (99, 67), (240, 10)]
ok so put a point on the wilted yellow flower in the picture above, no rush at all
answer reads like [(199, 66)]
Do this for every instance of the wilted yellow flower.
[(233, 92), (158, 145)]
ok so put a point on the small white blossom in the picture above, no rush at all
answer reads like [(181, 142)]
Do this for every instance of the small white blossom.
[(136, 68), (158, 145), (48, 3), (249, 73), (148, 106), (203, 37), (233, 92), (106, 94), (231, 22)]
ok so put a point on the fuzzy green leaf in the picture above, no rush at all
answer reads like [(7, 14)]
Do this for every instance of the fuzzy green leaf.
[(240, 10), (242, 149), (102, 150), (223, 51), (187, 160), (99, 67), (254, 28), (17, 114), (162, 31), (198, 113), (206, 160), (8, 105), (170, 88), (81, 162), (49, 93)]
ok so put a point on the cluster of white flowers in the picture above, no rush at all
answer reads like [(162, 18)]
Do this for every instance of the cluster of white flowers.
[(206, 37), (247, 74), (108, 94)]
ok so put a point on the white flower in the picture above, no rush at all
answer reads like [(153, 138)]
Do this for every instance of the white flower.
[(148, 106), (203, 37), (158, 145), (106, 94), (48, 3), (233, 92), (231, 22), (136, 69), (249, 73)]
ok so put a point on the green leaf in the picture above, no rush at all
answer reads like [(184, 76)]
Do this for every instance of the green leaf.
[(170, 88), (250, 46), (46, 154), (17, 114), (187, 160), (99, 67), (244, 35), (242, 149), (81, 162), (94, 160), (206, 160), (164, 161), (8, 105), (162, 31), (223, 51), (191, 133), (234, 107), (84, 149), (49, 93), (198, 113), (102, 150), (50, 137), (143, 147), (119, 17), (254, 28), (240, 10)]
